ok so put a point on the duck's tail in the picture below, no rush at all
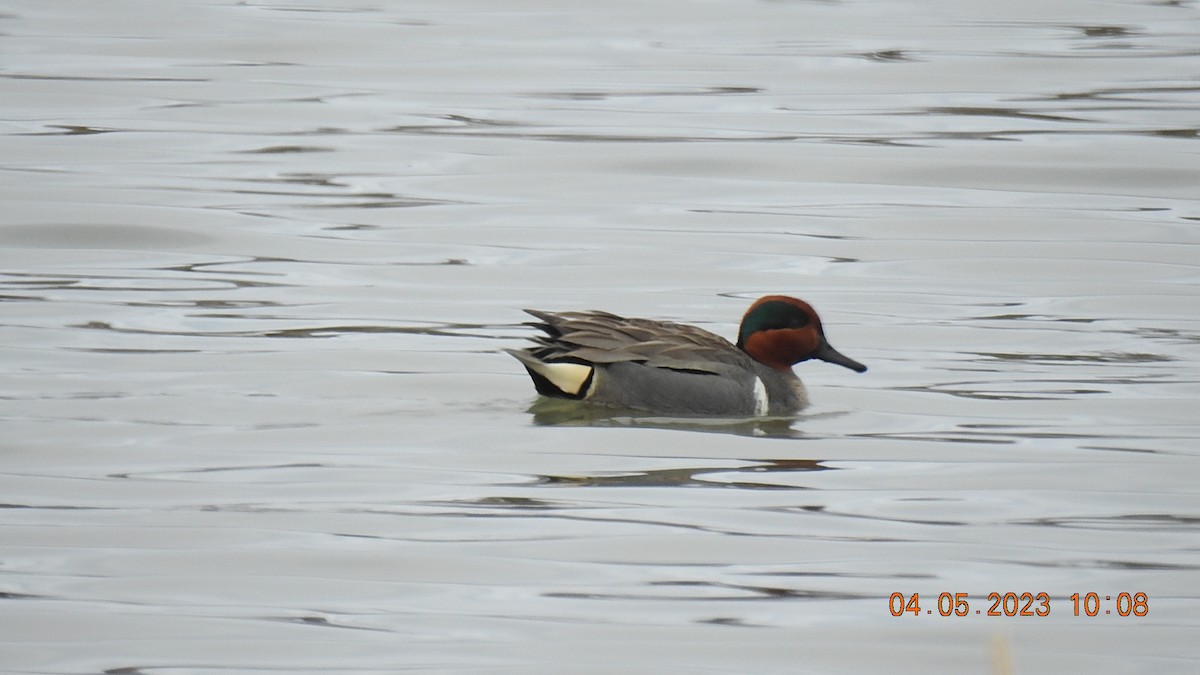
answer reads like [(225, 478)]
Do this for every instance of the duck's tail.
[(559, 379)]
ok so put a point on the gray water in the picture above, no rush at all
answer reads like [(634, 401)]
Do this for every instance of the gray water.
[(258, 260)]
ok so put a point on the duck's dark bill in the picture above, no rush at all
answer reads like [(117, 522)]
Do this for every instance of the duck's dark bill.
[(827, 353)]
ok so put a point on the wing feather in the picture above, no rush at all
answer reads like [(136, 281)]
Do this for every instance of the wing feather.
[(601, 337)]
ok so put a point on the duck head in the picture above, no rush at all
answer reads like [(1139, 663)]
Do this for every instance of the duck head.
[(781, 331)]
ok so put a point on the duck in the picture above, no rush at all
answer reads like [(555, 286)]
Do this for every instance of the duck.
[(676, 369)]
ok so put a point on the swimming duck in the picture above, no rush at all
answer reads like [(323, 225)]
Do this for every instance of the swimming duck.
[(676, 369)]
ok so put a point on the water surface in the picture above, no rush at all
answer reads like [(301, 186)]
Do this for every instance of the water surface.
[(257, 266)]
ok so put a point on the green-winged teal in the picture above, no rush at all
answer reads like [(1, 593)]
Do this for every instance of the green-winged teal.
[(672, 368)]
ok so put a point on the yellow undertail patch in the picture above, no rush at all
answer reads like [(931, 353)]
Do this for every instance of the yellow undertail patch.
[(568, 377)]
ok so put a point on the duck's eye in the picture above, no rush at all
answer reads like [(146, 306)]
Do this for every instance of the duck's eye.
[(798, 321)]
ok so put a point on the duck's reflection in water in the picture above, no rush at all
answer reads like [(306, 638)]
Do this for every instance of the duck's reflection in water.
[(561, 412)]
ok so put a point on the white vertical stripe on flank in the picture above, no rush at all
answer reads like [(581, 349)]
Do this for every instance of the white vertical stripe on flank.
[(761, 403)]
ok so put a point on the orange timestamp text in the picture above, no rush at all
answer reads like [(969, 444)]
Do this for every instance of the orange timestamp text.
[(1019, 604)]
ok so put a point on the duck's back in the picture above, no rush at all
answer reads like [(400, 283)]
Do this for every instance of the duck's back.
[(600, 337)]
